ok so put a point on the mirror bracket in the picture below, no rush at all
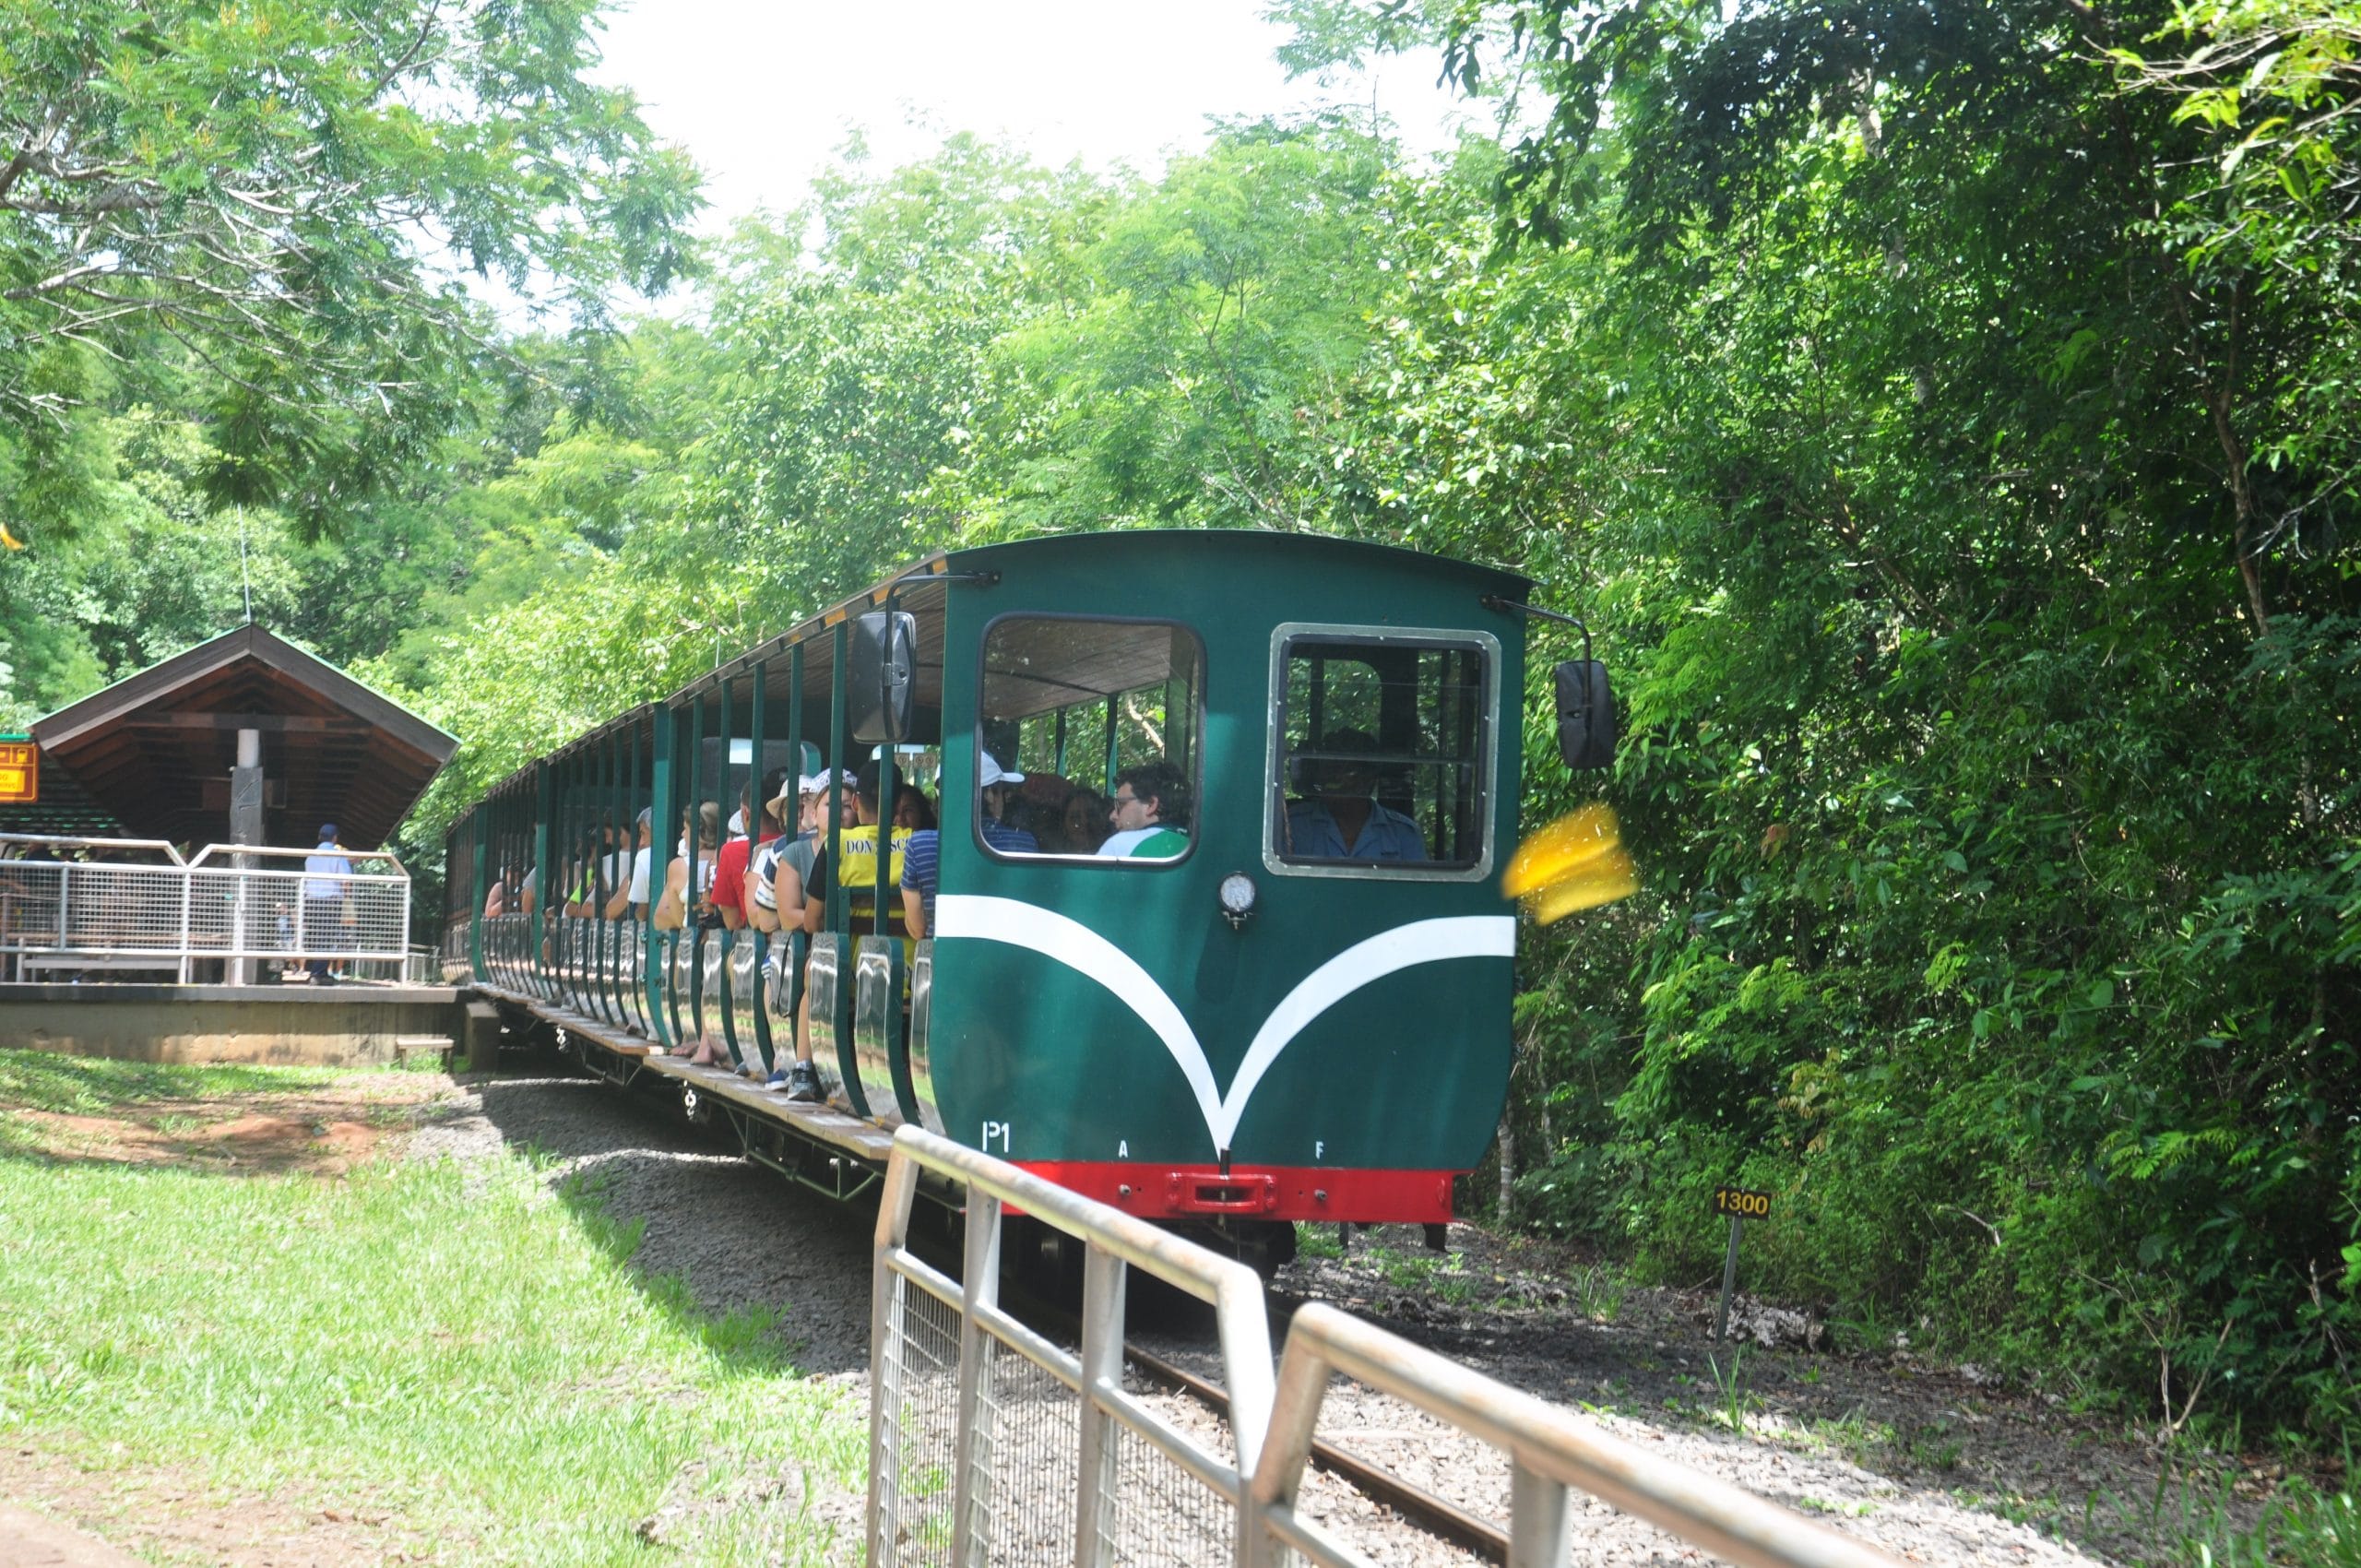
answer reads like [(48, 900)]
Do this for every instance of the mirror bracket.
[(1494, 601), (1586, 703)]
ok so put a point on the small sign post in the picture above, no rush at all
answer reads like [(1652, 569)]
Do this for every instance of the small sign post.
[(1740, 1206), (19, 773)]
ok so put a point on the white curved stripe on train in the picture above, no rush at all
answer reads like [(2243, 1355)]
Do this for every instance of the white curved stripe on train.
[(1020, 924)]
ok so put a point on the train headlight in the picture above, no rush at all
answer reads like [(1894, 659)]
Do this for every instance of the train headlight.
[(1237, 898)]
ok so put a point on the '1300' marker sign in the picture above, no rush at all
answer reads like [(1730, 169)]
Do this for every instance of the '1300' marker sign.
[(1742, 1203)]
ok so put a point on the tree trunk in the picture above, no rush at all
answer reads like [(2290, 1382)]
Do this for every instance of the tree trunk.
[(1507, 1163)]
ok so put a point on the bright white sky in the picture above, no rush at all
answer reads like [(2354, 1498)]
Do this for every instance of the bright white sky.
[(762, 95)]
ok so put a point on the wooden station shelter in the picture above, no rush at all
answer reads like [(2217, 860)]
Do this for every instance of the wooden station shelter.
[(245, 739)]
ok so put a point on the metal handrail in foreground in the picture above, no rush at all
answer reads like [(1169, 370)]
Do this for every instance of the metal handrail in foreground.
[(913, 1449), (1554, 1451), (903, 1509), (286, 851)]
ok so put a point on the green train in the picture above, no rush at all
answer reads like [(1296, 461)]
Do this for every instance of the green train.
[(1212, 928)]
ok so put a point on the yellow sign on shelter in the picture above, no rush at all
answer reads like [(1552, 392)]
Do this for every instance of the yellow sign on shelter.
[(19, 773)]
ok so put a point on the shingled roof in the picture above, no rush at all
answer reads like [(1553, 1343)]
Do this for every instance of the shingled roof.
[(155, 749)]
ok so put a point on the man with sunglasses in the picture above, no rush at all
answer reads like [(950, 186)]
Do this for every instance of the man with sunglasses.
[(1150, 814)]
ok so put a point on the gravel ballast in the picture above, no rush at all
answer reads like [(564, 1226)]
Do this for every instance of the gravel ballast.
[(1927, 1463)]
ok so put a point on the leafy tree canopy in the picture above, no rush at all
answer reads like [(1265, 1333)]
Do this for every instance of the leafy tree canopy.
[(281, 197)]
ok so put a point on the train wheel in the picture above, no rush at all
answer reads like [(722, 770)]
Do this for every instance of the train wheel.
[(1042, 1261)]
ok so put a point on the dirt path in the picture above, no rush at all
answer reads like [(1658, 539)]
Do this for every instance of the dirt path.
[(324, 1131), (28, 1540)]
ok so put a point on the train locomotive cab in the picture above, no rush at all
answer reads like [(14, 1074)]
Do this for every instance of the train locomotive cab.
[(1216, 933), (1282, 991)]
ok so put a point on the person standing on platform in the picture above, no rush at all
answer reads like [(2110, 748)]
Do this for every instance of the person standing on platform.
[(326, 885)]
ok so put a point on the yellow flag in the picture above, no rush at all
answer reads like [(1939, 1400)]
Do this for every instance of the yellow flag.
[(11, 541), (1576, 862)]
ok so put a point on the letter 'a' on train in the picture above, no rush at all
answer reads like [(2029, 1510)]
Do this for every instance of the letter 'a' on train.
[(1166, 864)]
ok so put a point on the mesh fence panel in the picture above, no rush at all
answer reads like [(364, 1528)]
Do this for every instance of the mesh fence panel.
[(276, 914), (1027, 1440), (29, 902), (1163, 1516), (124, 908), (919, 1438), (376, 916)]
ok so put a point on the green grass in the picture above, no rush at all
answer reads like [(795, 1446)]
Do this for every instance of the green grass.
[(1317, 1241), (2309, 1528), (89, 1085), (2191, 1524), (461, 1351)]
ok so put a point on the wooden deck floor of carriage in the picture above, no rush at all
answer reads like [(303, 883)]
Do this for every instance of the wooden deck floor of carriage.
[(757, 1112)]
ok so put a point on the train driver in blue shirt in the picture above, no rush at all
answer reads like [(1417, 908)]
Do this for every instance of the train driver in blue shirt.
[(1342, 819)]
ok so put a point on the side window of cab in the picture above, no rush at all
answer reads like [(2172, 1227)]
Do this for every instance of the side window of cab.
[(1088, 739), (1382, 753)]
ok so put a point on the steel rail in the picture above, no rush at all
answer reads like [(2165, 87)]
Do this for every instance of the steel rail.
[(1438, 1517)]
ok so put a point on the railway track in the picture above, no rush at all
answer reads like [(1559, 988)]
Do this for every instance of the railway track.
[(1438, 1517)]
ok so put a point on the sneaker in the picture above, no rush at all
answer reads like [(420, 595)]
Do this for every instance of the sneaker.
[(777, 1080), (803, 1083)]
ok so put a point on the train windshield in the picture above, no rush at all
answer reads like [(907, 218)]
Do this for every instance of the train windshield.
[(1380, 754), (1101, 720)]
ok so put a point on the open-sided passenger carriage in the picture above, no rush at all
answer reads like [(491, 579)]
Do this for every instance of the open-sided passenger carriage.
[(1259, 1029)]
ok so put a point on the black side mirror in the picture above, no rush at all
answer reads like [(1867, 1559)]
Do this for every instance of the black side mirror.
[(1586, 715), (882, 676)]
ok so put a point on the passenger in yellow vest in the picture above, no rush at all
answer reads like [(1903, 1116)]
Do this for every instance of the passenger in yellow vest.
[(861, 880), (860, 876)]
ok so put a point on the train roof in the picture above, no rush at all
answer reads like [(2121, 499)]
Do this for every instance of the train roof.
[(921, 587)]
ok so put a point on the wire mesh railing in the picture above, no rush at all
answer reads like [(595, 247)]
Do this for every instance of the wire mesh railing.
[(84, 906), (1040, 1441), (991, 1445)]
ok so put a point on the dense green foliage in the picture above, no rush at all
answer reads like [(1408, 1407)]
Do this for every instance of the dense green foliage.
[(1941, 412), (1993, 742), (232, 245)]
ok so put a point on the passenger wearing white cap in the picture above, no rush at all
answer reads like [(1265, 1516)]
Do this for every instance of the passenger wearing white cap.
[(922, 861), (775, 881)]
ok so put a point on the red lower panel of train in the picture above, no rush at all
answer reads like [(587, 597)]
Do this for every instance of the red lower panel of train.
[(1257, 1192)]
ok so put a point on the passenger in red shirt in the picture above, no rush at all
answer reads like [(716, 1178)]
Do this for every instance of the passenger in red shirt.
[(729, 866)]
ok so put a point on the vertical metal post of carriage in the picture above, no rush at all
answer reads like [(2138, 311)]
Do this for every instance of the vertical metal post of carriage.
[(692, 846), (792, 943), (723, 995), (479, 850), (546, 881), (613, 860), (653, 972), (630, 989), (758, 1005), (839, 907)]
